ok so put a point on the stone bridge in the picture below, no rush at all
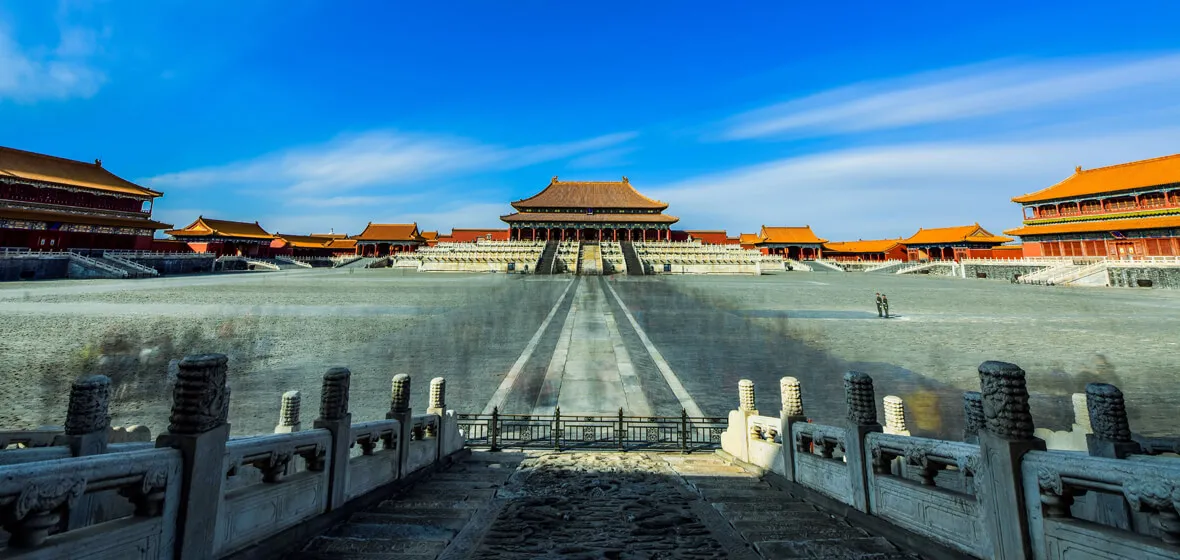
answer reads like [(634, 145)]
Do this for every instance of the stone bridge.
[(444, 485)]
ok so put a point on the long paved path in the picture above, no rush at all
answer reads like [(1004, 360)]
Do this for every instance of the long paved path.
[(590, 356), (509, 506)]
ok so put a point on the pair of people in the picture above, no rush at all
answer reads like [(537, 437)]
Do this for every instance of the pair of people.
[(882, 305)]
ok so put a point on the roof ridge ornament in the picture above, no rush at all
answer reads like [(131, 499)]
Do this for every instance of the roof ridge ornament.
[(1077, 169)]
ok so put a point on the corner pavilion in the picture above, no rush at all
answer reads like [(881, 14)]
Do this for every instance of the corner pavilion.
[(589, 211)]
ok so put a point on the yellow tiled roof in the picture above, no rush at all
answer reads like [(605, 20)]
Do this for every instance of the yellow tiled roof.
[(208, 227), (792, 234), (1160, 222), (589, 194), (863, 246), (51, 169), (389, 232), (957, 234), (1124, 176)]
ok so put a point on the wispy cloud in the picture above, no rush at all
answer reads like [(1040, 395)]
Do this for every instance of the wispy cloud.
[(379, 158), (30, 74), (606, 158), (892, 190), (965, 93)]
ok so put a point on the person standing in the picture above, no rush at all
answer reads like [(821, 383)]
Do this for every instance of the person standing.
[(885, 305), (879, 305)]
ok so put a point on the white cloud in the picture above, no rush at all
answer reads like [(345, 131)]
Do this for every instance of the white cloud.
[(28, 75), (966, 93), (380, 158), (887, 191), (606, 158)]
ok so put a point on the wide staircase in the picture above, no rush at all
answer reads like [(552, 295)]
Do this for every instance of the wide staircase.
[(822, 266), (134, 269), (548, 257), (631, 258), (590, 259)]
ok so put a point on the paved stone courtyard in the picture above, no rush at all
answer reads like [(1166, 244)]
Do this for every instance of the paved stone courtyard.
[(591, 344)]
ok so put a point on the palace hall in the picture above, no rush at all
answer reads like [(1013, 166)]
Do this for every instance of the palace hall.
[(1124, 212), (589, 211), (49, 203)]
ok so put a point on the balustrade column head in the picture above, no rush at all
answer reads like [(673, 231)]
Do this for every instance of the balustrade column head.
[(289, 412), (792, 396), (200, 398), (438, 393), (746, 395), (334, 396), (89, 407), (399, 400), (858, 395), (894, 414), (1081, 412), (972, 415), (1107, 412), (1005, 401)]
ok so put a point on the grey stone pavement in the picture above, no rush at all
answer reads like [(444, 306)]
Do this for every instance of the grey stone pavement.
[(509, 506), (589, 345)]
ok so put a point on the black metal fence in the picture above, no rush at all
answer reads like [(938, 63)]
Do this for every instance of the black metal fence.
[(620, 432)]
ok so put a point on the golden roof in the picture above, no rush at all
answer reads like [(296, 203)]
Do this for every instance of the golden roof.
[(957, 234), (389, 232), (863, 246), (791, 234), (208, 227), (341, 244), (430, 235), (748, 238), (1155, 222), (51, 169), (1101, 180), (589, 194), (589, 218), (330, 235), (69, 218), (304, 241)]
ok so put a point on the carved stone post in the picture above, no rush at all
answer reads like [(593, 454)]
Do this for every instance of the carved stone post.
[(792, 412), (972, 416), (736, 438), (438, 405), (289, 413), (894, 416), (199, 430), (862, 420), (1006, 436), (1081, 414), (399, 409), (1111, 438), (87, 431), (335, 417)]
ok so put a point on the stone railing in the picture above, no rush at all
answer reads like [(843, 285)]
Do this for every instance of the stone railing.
[(1001, 494), (197, 493)]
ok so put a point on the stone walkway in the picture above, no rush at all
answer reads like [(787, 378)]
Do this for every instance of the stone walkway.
[(500, 506)]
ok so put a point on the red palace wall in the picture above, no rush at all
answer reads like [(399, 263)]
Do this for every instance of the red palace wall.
[(470, 235), (707, 237)]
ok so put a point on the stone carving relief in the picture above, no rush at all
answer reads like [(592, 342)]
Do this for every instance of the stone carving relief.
[(334, 397), (89, 402), (200, 399), (858, 394), (1005, 401), (1108, 413)]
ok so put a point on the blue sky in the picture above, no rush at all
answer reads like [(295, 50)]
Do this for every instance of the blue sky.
[(863, 120)]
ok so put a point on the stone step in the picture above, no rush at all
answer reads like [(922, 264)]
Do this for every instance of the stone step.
[(786, 530), (743, 495), (458, 494), (393, 532), (397, 519), (483, 475), (875, 548), (804, 511), (450, 486), (346, 547), (393, 506), (768, 505)]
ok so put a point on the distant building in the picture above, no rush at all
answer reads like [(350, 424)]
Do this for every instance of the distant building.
[(794, 242), (471, 235), (305, 245), (225, 237), (708, 236), (49, 203), (1125, 211), (590, 210), (382, 240), (748, 240), (952, 243), (870, 250)]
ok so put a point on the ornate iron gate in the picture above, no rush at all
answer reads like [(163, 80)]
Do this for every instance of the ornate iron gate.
[(620, 432)]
